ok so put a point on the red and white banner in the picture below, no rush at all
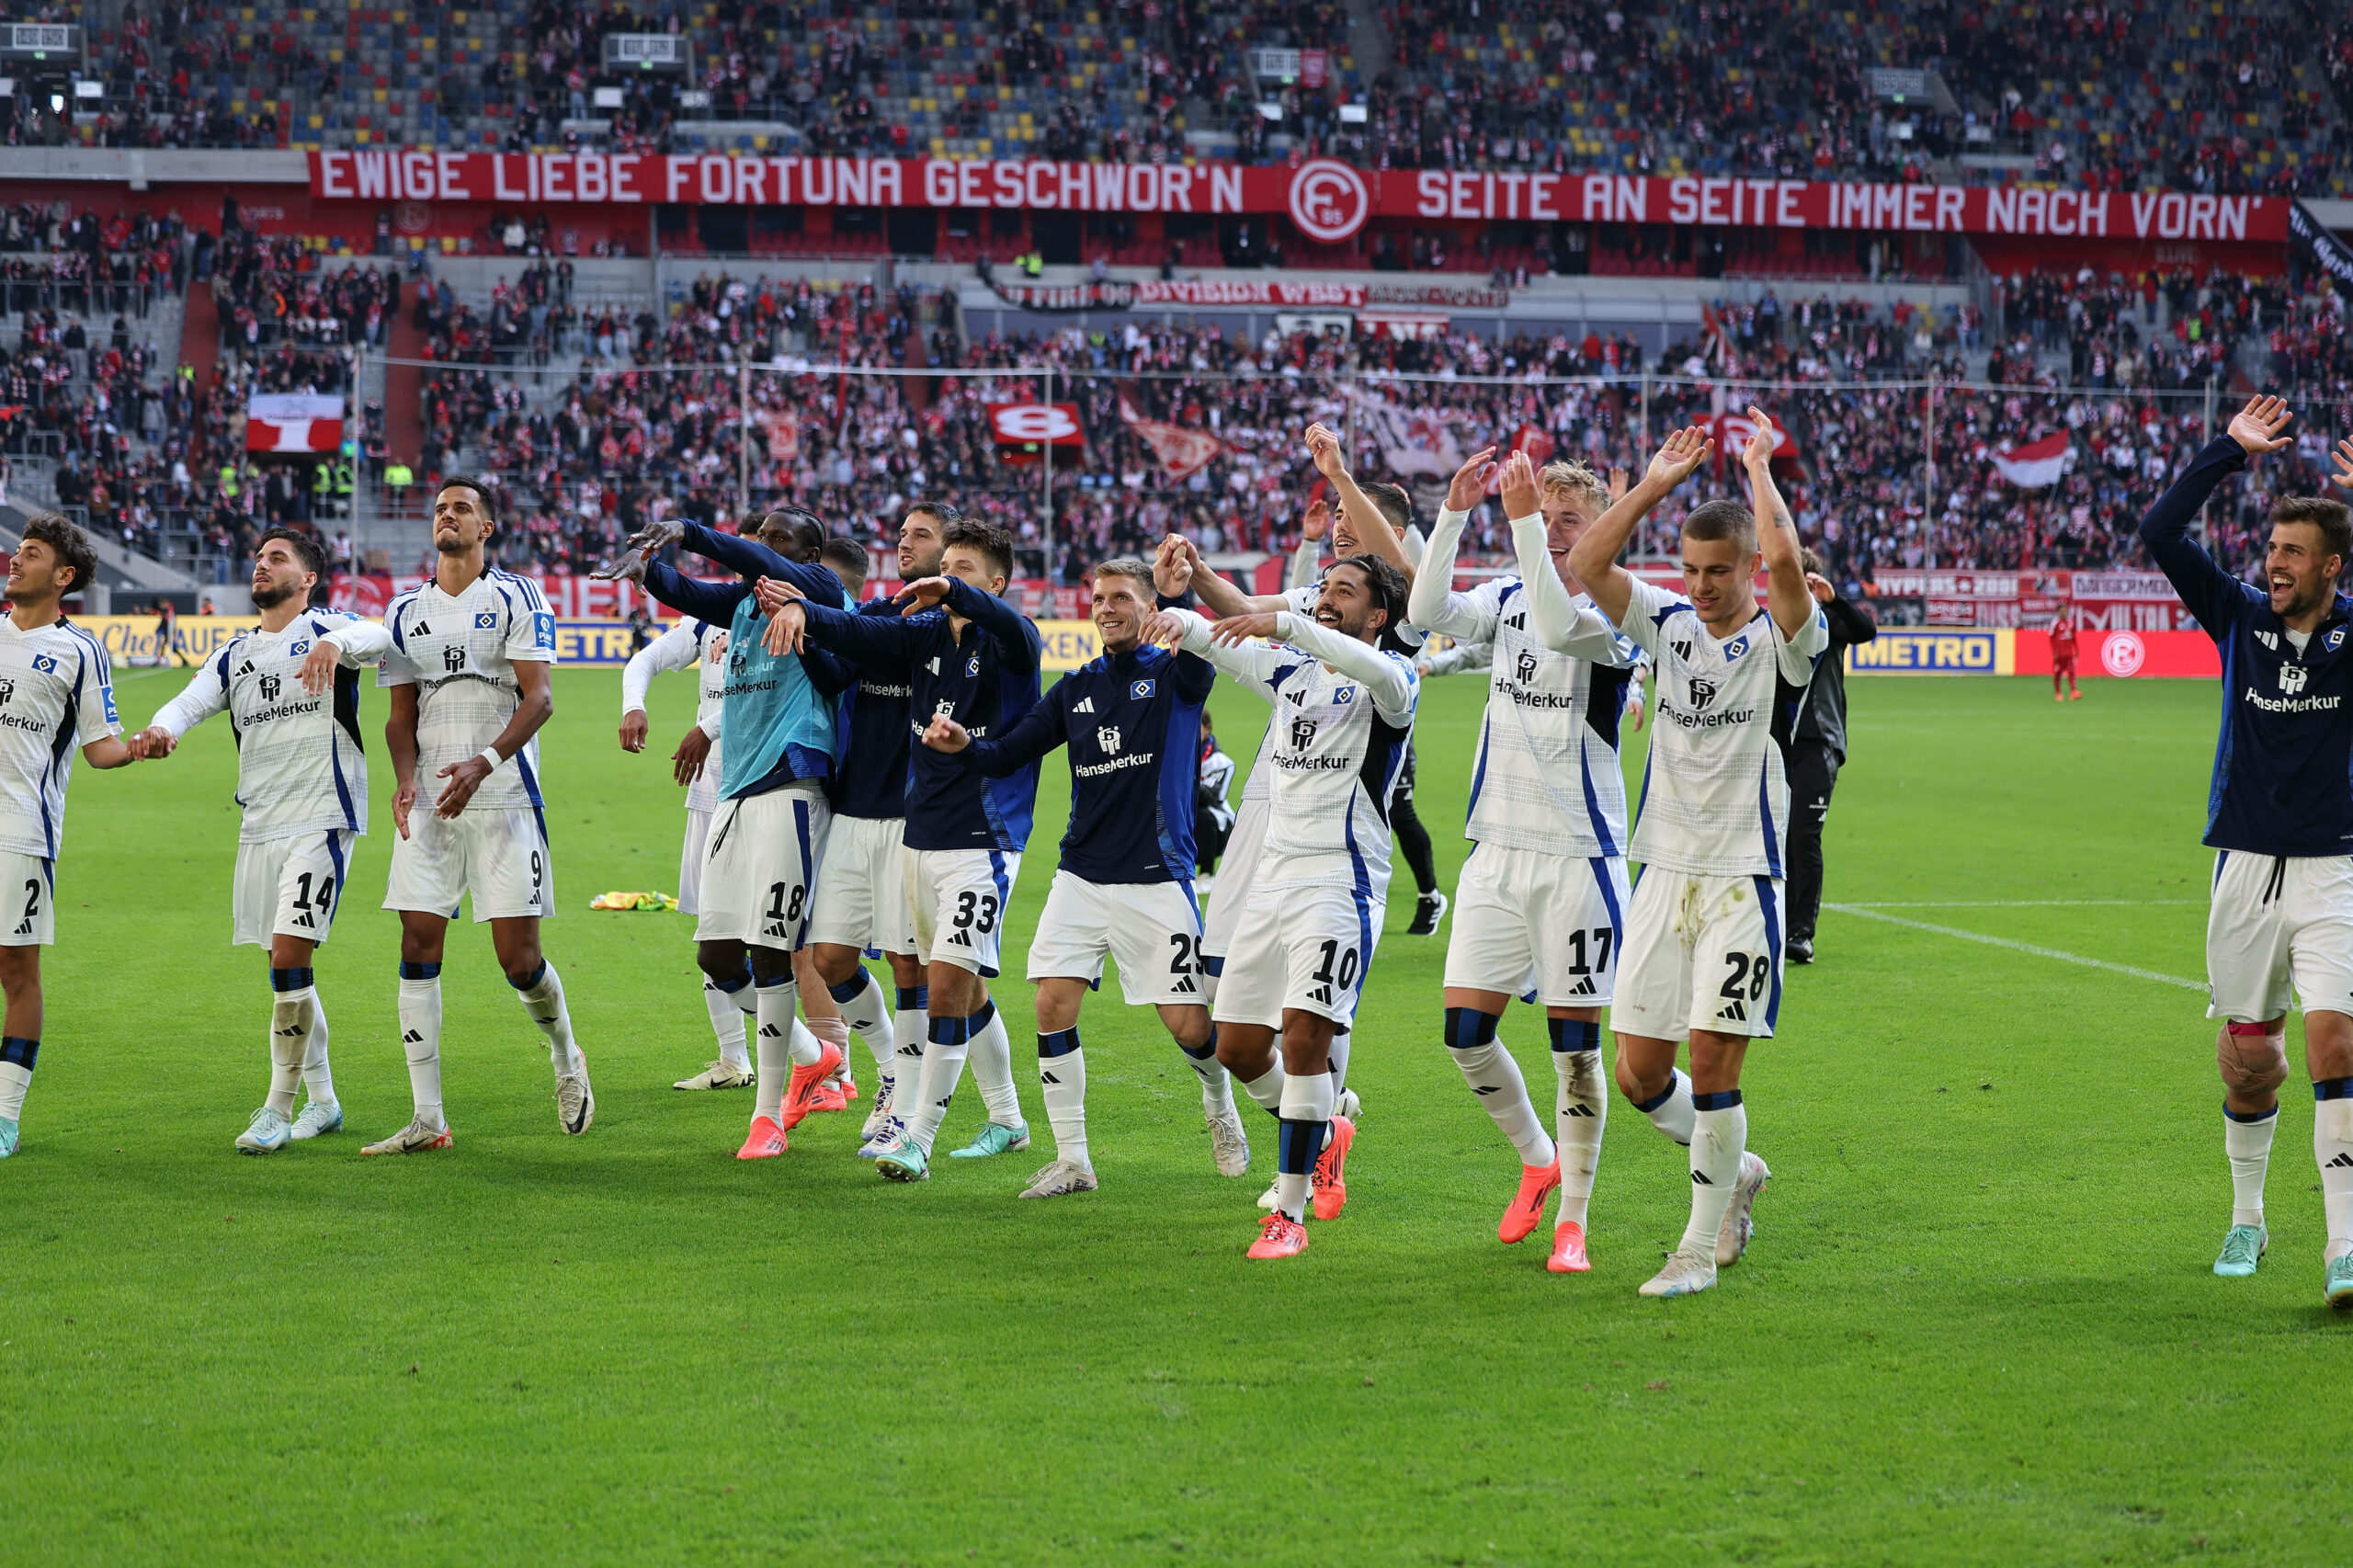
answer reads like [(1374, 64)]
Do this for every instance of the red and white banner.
[(2126, 654), (293, 422), (2100, 601), (1032, 427), (1250, 291), (1326, 199), (1732, 431), (1182, 451), (2037, 466)]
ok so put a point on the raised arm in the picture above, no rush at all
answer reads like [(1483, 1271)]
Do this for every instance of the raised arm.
[(1372, 524), (1037, 733), (1307, 553), (879, 642), (1434, 606), (752, 559), (1389, 679), (1555, 619), (1593, 560), (1015, 634), (713, 602), (2214, 595), (1786, 593), (207, 693)]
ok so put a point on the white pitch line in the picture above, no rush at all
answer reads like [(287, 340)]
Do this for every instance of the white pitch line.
[(2026, 903), (2016, 947)]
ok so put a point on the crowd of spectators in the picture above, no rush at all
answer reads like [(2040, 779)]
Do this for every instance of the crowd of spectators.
[(2122, 94)]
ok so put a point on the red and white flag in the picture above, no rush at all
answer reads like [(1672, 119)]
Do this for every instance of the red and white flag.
[(2039, 465), (1182, 451), (293, 422)]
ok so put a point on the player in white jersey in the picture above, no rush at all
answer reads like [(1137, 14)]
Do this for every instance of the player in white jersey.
[(291, 690), (1703, 939), (1544, 889), (699, 646), (55, 696), (468, 669), (1343, 712)]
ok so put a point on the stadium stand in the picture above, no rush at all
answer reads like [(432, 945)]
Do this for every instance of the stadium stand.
[(2122, 96)]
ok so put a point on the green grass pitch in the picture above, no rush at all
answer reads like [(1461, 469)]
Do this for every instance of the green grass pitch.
[(1977, 1323)]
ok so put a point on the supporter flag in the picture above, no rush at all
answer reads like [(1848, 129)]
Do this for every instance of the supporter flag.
[(1732, 431), (784, 435), (1412, 440), (2039, 465), (293, 422), (1182, 451), (1533, 439)]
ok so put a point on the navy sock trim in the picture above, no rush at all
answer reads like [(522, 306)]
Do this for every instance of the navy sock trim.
[(537, 975), (1648, 1105), (951, 1031), (2250, 1115), (733, 986), (851, 989), (1298, 1145), (980, 1020), (1722, 1100), (289, 979), (784, 978), (1574, 1034), (1062, 1042), (419, 971), (18, 1052), (1467, 1028), (2333, 1088), (916, 998)]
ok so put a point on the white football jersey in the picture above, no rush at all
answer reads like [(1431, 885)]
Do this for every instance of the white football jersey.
[(460, 654), (1716, 789), (300, 764), (1302, 601), (55, 698), (1335, 746), (1546, 775), (689, 645)]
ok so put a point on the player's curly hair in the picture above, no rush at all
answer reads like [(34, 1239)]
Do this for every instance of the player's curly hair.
[(1387, 584), (305, 546), (72, 545)]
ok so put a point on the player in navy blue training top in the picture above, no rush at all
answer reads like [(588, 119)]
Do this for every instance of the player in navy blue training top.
[(968, 655), (1131, 719), (2279, 819)]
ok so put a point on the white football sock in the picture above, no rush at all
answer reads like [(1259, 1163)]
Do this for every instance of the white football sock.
[(2333, 1147), (1671, 1112), (992, 1050), (911, 1021), (1339, 1058), (807, 1049), (317, 1075), (1268, 1091), (772, 1046), (1062, 1076), (543, 1002), (1579, 1113), (1495, 1077), (421, 1039), (1306, 1115), (726, 1024), (290, 1014), (1718, 1137), (1217, 1083), (863, 1011), (16, 1059), (2247, 1141), (943, 1065)]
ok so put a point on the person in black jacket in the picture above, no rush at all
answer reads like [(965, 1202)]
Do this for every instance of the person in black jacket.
[(1816, 753)]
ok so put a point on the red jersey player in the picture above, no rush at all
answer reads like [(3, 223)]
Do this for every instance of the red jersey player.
[(2062, 656)]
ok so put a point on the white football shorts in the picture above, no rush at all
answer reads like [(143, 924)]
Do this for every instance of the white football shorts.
[(501, 857), (1701, 953), (1560, 916), (862, 886), (956, 903), (759, 868), (1153, 929), (1236, 870), (690, 861), (289, 887), (1302, 947), (29, 898), (2276, 921)]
